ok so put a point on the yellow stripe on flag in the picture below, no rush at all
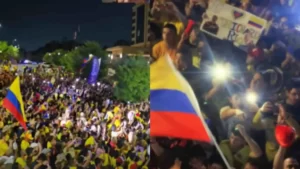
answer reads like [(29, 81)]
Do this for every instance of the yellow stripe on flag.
[(257, 20), (15, 89)]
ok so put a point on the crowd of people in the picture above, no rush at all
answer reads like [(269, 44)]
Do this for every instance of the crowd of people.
[(71, 124), (243, 94)]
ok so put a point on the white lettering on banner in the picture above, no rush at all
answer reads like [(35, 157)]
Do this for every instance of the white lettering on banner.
[(233, 24)]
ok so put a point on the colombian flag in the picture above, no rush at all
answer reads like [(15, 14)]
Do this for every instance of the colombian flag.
[(85, 62), (174, 109), (257, 22), (14, 104)]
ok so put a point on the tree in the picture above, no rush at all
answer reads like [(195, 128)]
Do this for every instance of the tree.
[(72, 60), (54, 58), (38, 55), (80, 53), (132, 77), (8, 51)]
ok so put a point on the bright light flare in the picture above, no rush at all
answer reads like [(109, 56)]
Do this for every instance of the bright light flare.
[(251, 97), (221, 72)]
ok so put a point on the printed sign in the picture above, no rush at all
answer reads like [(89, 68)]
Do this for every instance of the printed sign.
[(230, 23)]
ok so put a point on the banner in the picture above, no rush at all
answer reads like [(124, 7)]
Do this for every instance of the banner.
[(95, 70), (226, 22)]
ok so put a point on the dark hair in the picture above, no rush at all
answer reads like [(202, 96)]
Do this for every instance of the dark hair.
[(293, 83), (97, 161), (42, 157), (43, 167), (197, 151), (216, 159), (167, 159), (171, 27), (258, 163)]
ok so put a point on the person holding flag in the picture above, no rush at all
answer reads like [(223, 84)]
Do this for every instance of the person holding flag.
[(14, 104), (179, 117)]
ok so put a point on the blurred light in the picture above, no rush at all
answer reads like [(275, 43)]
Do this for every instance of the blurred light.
[(93, 84), (44, 81), (0, 51), (16, 74), (221, 72), (33, 78), (26, 61), (121, 55), (0, 25), (30, 74), (90, 55), (48, 82), (77, 79), (73, 86), (251, 97), (297, 27), (61, 78), (98, 83), (58, 53)]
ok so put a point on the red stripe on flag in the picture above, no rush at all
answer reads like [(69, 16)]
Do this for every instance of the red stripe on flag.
[(14, 111), (179, 125)]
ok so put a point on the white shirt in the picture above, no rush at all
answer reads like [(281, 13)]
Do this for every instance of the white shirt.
[(130, 115)]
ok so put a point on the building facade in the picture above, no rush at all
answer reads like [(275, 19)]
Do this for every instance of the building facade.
[(139, 34)]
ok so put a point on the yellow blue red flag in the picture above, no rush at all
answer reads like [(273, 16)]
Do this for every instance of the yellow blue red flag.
[(174, 108), (14, 104)]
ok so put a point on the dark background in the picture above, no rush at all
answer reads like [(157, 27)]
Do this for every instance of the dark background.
[(35, 22)]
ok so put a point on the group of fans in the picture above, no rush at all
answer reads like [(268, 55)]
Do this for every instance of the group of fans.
[(72, 124), (243, 95)]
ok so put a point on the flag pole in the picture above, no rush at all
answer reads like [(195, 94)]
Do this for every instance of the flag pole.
[(219, 150)]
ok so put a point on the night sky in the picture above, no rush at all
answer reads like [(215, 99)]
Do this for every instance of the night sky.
[(36, 22)]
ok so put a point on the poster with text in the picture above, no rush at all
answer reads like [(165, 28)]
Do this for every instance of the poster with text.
[(226, 22)]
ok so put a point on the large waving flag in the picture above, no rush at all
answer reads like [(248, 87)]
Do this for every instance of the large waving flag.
[(174, 108), (85, 62), (14, 104)]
